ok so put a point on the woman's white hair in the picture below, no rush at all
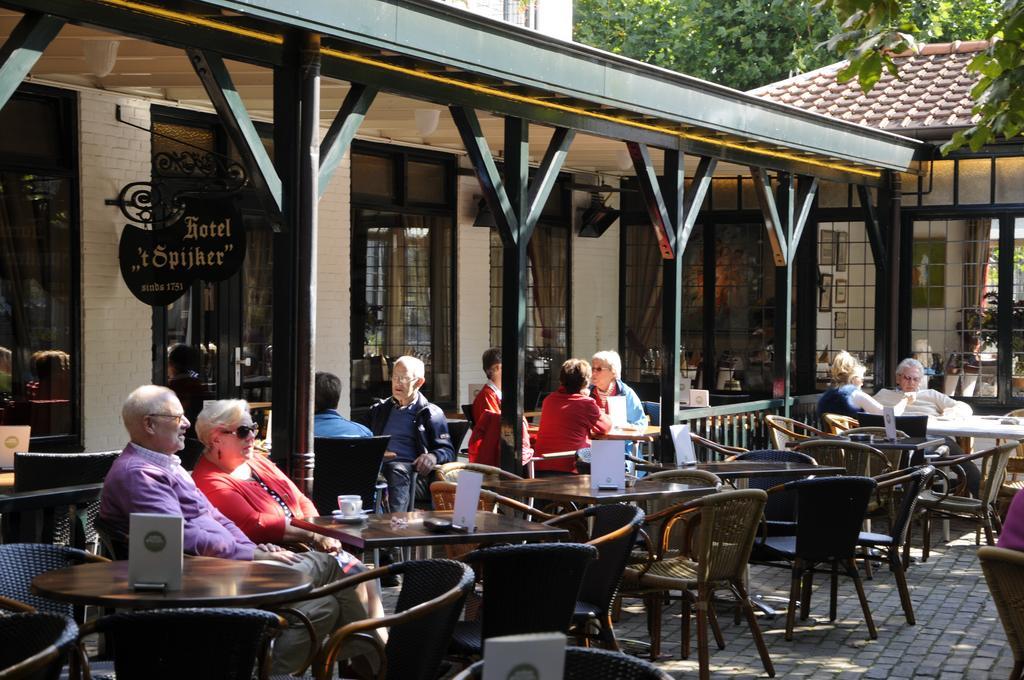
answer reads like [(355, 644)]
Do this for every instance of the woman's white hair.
[(611, 358), (225, 413)]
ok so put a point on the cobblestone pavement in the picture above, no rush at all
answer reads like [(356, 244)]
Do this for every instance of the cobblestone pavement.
[(957, 635)]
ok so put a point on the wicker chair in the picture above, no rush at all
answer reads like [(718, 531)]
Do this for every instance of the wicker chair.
[(449, 472), (912, 483), (512, 604), (36, 471), (590, 664), (860, 460), (658, 511), (428, 606), (982, 510), (837, 424), (1014, 481), (34, 645), (614, 530), (830, 511), (1004, 574), (718, 559), (347, 466), (782, 430), (22, 562), (723, 450), (190, 643)]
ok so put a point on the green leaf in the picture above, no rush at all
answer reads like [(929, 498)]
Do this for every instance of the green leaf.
[(870, 71)]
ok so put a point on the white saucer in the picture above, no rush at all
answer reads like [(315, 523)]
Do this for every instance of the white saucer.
[(338, 517)]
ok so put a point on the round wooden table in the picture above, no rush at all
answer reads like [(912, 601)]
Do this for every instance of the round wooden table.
[(206, 582)]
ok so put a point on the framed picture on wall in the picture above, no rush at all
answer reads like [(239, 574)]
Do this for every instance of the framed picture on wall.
[(825, 293), (928, 273), (839, 296), (826, 247), (842, 250), (839, 327)]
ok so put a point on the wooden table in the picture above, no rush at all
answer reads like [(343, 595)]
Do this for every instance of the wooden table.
[(206, 582), (378, 532), (631, 434), (967, 428), (749, 469), (577, 489), (6, 481)]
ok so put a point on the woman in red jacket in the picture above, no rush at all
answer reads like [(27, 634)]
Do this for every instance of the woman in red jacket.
[(567, 419), (254, 494)]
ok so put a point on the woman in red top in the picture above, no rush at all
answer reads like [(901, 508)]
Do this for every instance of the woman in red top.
[(567, 419), (254, 494)]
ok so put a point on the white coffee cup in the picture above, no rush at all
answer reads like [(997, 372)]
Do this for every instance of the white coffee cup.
[(350, 504)]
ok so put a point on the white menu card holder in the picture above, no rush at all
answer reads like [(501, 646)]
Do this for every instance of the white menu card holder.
[(155, 551), (889, 418), (608, 465), (538, 656), (617, 411), (467, 500), (683, 444)]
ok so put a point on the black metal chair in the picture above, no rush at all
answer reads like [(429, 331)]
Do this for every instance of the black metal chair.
[(34, 646), (347, 466), (429, 603), (912, 483), (513, 605), (113, 541), (22, 562), (613, 531), (591, 664), (36, 471), (653, 411), (457, 430), (830, 511), (467, 410), (211, 643)]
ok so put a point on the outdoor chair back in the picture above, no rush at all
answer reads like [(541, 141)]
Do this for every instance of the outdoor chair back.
[(467, 410), (728, 526), (838, 424), (449, 472), (457, 430), (860, 460), (421, 626), (34, 645), (190, 643), (22, 562), (512, 604), (37, 471), (653, 524), (780, 510), (1004, 574), (347, 466), (830, 511), (782, 429), (653, 411), (591, 664)]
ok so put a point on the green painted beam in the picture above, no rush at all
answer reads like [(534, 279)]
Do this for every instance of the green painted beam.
[(343, 130), (547, 174), (650, 190), (872, 225), (807, 189), (229, 105), (22, 50), (487, 174), (772, 221), (694, 199)]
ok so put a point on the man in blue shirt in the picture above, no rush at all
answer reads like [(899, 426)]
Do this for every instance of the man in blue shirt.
[(418, 429), (327, 422)]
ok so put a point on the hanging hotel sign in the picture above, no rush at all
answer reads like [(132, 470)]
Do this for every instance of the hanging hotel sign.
[(195, 234)]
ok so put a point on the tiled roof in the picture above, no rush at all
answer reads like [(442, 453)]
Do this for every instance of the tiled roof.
[(932, 94)]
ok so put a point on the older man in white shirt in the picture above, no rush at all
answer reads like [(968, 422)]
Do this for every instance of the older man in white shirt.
[(928, 402), (921, 402)]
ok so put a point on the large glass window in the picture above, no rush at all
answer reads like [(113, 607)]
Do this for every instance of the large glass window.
[(402, 270), (39, 254)]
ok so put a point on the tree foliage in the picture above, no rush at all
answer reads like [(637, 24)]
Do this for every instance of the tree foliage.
[(872, 30), (739, 43)]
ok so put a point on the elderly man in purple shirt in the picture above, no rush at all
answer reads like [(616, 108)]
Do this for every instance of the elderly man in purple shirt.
[(148, 477)]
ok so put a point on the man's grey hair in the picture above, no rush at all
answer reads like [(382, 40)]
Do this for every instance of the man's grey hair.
[(909, 362), (612, 359), (413, 367), (141, 403)]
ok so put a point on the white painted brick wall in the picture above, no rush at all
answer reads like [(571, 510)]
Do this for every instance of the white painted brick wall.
[(333, 285), (595, 286), (116, 327)]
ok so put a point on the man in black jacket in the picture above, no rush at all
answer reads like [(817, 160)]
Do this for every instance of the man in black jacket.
[(418, 429)]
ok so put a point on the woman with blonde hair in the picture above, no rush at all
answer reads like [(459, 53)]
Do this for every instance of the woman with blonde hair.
[(845, 396)]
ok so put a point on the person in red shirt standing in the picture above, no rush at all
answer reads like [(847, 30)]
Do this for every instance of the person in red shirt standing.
[(567, 419), (485, 441)]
